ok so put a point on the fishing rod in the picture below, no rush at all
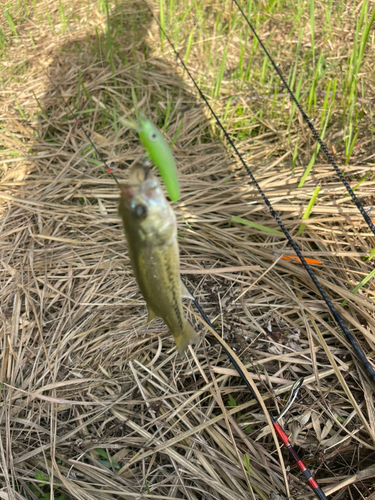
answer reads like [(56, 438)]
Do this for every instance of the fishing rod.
[(309, 123), (310, 481), (360, 354)]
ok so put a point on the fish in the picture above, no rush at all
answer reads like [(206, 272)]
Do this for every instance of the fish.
[(151, 232)]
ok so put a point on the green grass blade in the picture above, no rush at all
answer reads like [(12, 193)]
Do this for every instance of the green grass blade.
[(40, 107), (250, 223), (20, 111), (85, 91), (231, 401), (309, 166), (365, 35), (148, 488), (162, 23), (246, 459), (350, 147), (10, 22), (306, 215), (312, 27), (370, 256), (188, 48), (63, 20), (359, 183), (107, 458), (360, 285), (221, 74)]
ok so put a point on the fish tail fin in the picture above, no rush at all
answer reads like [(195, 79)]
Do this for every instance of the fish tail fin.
[(186, 337)]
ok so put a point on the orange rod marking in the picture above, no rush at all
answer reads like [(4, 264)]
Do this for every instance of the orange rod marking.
[(294, 257)]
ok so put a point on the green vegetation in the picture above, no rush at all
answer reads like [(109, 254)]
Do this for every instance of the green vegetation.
[(307, 213), (255, 225), (42, 489)]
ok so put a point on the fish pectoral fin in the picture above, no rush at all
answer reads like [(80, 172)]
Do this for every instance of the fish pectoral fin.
[(151, 314), (185, 292), (186, 337)]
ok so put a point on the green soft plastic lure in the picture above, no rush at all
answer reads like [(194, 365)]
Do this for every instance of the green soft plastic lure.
[(161, 156), (159, 153)]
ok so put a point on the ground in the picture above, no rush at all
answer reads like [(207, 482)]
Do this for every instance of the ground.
[(94, 403)]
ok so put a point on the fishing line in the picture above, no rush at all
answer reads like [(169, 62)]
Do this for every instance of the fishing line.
[(312, 483), (309, 124), (327, 300)]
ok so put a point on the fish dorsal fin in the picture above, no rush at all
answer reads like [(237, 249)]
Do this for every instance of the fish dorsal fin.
[(185, 292)]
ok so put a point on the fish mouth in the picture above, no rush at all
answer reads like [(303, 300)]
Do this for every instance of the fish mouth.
[(138, 174), (141, 182)]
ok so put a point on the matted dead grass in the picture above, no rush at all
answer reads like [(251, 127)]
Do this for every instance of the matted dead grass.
[(101, 404)]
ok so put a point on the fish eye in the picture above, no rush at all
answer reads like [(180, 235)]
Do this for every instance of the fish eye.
[(153, 136), (140, 211)]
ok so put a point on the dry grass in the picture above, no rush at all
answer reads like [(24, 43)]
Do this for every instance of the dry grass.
[(79, 370)]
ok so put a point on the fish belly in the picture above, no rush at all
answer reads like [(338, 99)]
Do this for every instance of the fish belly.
[(158, 277)]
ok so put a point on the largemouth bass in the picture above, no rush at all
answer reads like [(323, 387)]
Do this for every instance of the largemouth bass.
[(151, 231)]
